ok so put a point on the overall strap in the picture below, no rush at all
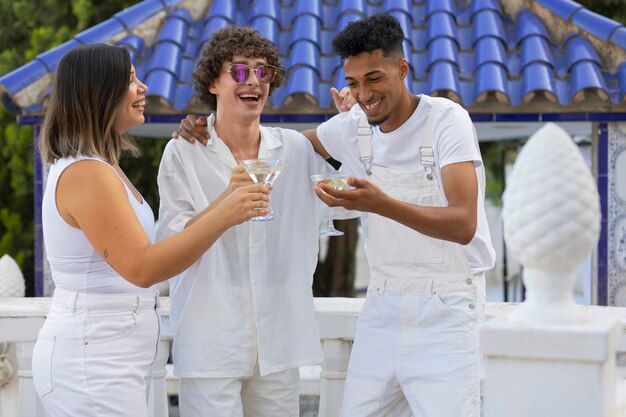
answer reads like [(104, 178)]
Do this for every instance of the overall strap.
[(427, 156), (364, 134)]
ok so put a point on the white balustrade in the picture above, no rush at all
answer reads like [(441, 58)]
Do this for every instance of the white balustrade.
[(21, 318)]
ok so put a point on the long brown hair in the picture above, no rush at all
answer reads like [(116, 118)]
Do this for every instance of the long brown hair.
[(90, 84)]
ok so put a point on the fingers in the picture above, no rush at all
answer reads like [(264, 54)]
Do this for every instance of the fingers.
[(192, 129), (343, 99)]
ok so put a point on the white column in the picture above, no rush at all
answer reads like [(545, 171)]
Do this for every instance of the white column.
[(548, 358), (536, 370), (30, 404), (333, 376)]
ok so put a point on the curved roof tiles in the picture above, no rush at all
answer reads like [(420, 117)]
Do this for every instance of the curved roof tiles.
[(472, 52)]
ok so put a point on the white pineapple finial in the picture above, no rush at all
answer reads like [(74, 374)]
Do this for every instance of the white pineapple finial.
[(11, 278), (551, 215)]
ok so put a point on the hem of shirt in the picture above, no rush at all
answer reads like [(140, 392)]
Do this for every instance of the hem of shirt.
[(243, 373), (466, 158)]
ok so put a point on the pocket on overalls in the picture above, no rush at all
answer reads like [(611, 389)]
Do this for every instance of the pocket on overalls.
[(42, 364), (460, 305), (401, 243), (108, 326)]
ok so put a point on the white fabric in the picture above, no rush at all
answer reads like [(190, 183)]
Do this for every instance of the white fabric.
[(453, 138), (93, 354), (249, 296), (273, 395), (74, 262)]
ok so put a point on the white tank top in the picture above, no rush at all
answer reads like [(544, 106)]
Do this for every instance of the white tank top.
[(74, 262)]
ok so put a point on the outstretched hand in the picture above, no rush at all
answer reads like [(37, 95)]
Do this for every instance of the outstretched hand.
[(193, 128), (343, 99), (364, 196)]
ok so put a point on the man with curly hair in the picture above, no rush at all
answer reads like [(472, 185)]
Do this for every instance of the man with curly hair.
[(418, 179), (243, 314)]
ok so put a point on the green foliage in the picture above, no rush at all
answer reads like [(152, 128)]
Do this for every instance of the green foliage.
[(613, 9)]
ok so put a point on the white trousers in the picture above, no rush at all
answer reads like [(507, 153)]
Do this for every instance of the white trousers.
[(415, 351), (273, 395), (93, 354)]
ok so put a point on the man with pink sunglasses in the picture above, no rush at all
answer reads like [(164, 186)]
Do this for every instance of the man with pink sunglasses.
[(243, 314)]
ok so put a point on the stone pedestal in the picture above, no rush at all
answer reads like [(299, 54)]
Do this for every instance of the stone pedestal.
[(550, 370)]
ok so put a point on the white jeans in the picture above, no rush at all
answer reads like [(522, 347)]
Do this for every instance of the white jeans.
[(415, 351), (93, 354), (273, 395)]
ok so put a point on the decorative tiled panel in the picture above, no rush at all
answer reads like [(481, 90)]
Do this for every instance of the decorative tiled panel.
[(616, 222)]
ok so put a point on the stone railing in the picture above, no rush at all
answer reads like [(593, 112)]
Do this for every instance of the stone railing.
[(21, 318)]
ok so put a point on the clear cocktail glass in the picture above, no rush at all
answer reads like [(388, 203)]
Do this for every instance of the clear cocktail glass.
[(263, 171), (338, 181)]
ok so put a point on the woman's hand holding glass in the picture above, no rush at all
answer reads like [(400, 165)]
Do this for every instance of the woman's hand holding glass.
[(244, 203)]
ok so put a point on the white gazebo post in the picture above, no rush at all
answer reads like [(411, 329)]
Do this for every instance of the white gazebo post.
[(547, 358)]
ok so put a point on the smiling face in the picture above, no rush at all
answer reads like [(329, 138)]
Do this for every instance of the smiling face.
[(130, 112), (244, 100), (377, 84)]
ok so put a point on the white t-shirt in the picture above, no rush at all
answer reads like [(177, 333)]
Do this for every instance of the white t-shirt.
[(454, 140), (249, 296)]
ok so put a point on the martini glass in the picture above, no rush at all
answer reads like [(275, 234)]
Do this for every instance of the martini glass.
[(262, 171), (270, 181), (337, 181)]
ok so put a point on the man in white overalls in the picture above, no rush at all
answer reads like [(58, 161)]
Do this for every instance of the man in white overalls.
[(418, 179)]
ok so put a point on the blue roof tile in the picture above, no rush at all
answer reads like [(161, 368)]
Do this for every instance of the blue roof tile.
[(563, 8), (480, 5), (535, 49), (306, 27), (488, 23), (619, 37), (580, 49), (442, 49), (440, 24), (586, 75), (303, 80), (267, 8), (52, 57), (528, 24), (490, 50), (17, 80), (444, 77), (161, 84), (600, 26), (352, 6), (166, 56), (536, 77), (136, 14), (267, 27), (226, 9), (490, 78), (212, 25), (446, 6), (305, 53), (175, 29), (466, 50), (101, 32)]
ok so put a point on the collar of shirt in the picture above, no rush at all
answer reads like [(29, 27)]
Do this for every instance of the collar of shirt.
[(270, 143)]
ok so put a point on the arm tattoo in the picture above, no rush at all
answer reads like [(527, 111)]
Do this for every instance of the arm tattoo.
[(106, 254)]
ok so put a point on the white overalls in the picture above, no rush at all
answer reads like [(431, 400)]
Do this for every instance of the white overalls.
[(415, 350)]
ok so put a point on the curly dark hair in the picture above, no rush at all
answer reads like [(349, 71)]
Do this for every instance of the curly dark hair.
[(379, 31), (222, 47)]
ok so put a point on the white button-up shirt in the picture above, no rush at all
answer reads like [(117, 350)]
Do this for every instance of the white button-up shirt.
[(249, 297)]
